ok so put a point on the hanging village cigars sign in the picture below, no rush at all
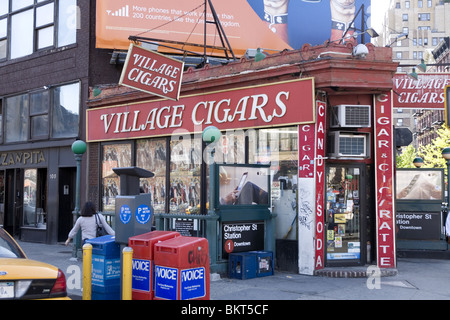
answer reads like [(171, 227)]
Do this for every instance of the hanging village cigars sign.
[(427, 92), (276, 104), (152, 72)]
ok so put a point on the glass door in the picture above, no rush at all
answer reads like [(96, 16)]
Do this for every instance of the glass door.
[(344, 200)]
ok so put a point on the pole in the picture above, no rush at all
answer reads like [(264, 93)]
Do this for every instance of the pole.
[(76, 211), (87, 271), (127, 277)]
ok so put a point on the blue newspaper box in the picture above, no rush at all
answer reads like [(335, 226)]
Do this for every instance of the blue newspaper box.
[(105, 268), (264, 263), (242, 265)]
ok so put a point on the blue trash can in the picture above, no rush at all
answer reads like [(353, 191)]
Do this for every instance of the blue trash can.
[(105, 268)]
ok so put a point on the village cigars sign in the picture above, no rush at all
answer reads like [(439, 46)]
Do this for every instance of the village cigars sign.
[(275, 104), (151, 72), (384, 181), (427, 92)]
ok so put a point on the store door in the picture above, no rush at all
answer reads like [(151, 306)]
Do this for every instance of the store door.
[(13, 200), (345, 202)]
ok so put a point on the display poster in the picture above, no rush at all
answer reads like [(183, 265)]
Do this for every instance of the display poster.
[(270, 24), (241, 185), (420, 184)]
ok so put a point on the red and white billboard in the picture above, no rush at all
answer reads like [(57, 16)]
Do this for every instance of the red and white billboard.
[(427, 92), (152, 72), (384, 181), (276, 104)]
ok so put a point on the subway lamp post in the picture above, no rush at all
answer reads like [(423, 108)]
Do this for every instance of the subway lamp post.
[(78, 149), (418, 162)]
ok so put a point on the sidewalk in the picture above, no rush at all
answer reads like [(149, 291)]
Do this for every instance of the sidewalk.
[(414, 279)]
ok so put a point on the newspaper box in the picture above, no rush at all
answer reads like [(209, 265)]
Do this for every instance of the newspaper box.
[(105, 268), (182, 269), (143, 264)]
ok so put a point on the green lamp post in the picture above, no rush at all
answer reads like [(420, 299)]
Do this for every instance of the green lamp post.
[(418, 162), (78, 149)]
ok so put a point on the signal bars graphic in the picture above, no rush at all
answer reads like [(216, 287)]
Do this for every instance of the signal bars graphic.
[(122, 12)]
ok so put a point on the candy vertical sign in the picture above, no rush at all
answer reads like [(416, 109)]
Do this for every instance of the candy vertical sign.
[(320, 183), (384, 181)]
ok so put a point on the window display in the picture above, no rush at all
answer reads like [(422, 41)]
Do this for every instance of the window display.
[(151, 155), (185, 174), (114, 156), (343, 213)]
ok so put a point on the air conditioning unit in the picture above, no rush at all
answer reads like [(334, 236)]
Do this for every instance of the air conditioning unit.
[(350, 116), (348, 145)]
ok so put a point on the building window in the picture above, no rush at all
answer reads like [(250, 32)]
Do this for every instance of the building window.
[(28, 26), (66, 111), (429, 3), (424, 17), (27, 116), (398, 55), (405, 17), (407, 4), (420, 3)]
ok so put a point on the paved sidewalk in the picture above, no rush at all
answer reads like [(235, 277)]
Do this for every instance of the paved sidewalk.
[(414, 279)]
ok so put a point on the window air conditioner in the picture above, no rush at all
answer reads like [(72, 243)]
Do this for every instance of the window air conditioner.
[(350, 116), (347, 145)]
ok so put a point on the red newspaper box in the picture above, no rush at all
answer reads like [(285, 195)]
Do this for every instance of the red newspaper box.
[(143, 256), (182, 269)]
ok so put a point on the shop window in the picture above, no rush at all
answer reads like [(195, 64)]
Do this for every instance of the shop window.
[(185, 174), (279, 148), (114, 156), (34, 198), (151, 155), (26, 26)]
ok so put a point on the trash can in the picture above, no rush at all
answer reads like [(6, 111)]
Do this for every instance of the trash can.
[(105, 268), (182, 269), (143, 264)]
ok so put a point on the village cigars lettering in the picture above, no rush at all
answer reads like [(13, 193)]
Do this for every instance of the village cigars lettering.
[(428, 91), (384, 180), (282, 103), (151, 72)]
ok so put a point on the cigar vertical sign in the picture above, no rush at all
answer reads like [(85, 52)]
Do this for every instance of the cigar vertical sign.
[(151, 72), (384, 181)]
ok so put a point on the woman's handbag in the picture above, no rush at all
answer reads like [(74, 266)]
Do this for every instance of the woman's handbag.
[(101, 231)]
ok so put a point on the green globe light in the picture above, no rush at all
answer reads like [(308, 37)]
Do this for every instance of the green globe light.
[(79, 147)]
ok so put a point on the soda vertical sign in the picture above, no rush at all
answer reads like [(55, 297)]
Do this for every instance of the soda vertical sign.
[(320, 183), (384, 180)]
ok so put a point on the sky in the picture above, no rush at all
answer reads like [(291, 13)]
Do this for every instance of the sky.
[(379, 7)]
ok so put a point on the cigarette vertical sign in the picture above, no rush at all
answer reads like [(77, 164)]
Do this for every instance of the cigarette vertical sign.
[(384, 180), (151, 72), (447, 106)]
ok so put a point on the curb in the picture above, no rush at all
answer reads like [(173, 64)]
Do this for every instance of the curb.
[(356, 273)]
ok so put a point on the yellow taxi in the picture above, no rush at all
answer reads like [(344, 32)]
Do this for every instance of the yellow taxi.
[(22, 278)]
